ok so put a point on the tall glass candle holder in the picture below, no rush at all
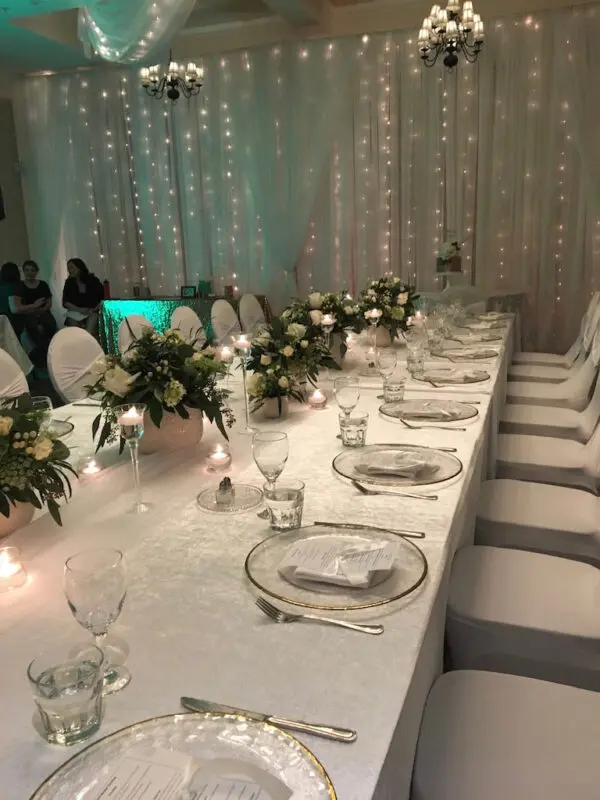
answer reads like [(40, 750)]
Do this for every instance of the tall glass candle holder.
[(242, 347), (131, 422), (374, 315)]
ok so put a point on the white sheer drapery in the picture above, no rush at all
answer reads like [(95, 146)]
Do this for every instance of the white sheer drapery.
[(275, 156), (128, 31)]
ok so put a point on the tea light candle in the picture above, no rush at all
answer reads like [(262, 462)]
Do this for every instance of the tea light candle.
[(374, 314), (89, 466), (242, 343), (317, 399), (131, 417), (218, 459), (328, 319), (12, 572), (225, 353), (348, 296)]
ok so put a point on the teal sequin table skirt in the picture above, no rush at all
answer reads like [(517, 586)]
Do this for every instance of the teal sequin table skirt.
[(158, 311)]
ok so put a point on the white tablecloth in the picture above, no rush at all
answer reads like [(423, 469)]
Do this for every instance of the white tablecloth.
[(189, 619), (10, 342)]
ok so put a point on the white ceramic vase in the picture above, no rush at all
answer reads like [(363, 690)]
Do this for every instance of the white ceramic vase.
[(174, 432), (383, 337), (271, 408), (21, 514)]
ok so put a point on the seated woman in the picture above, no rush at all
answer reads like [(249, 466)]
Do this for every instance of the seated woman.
[(32, 303), (82, 296), (10, 278)]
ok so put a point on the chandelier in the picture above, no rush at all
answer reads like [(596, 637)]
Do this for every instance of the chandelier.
[(177, 80), (448, 31)]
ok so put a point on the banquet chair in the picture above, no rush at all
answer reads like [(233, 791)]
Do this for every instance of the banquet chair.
[(189, 323), (71, 355), (131, 328), (523, 613), (225, 323), (12, 378), (251, 313), (557, 373), (489, 736), (555, 359), (536, 516), (573, 393)]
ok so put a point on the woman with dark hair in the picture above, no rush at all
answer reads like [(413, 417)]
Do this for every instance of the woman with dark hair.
[(32, 302), (82, 296), (10, 278)]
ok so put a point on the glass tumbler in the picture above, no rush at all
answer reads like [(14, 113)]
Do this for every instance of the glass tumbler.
[(285, 504), (354, 429)]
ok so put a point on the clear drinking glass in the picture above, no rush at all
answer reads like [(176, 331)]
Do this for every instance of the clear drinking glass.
[(66, 682), (270, 450), (393, 389), (347, 393), (354, 429), (386, 360), (285, 503), (95, 583), (415, 361), (131, 421), (41, 403)]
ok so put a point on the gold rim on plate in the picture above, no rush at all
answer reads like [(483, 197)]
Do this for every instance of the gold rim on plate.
[(311, 756)]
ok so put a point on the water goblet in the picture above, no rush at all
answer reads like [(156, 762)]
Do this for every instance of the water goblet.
[(347, 393), (386, 360), (131, 421), (95, 584), (270, 450)]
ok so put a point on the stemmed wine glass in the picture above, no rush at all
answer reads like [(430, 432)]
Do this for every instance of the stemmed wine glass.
[(347, 393), (386, 361), (95, 583), (270, 450)]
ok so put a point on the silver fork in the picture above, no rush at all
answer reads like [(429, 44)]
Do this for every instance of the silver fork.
[(277, 615), (430, 427), (364, 490)]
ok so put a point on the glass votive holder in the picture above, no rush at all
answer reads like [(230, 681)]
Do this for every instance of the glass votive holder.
[(218, 458), (89, 466), (66, 682), (317, 399), (393, 389), (353, 429), (12, 571), (415, 361), (285, 504)]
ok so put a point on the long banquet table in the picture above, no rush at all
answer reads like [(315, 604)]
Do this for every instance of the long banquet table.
[(189, 620)]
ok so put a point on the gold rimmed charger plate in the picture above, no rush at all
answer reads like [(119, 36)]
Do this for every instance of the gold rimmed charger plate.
[(216, 735), (407, 575), (346, 462)]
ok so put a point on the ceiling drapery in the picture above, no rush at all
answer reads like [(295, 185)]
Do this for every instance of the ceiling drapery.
[(128, 31)]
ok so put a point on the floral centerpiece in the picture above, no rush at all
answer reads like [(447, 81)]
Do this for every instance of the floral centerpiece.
[(395, 300), (176, 382), (33, 464), (283, 356), (448, 257), (340, 307)]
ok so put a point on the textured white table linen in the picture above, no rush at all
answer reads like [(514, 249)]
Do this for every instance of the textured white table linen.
[(9, 341), (190, 621)]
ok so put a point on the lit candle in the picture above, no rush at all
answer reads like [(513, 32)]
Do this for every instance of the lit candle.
[(90, 466), (348, 296), (225, 353), (374, 314), (131, 422), (317, 399), (131, 417), (12, 573), (328, 319), (218, 459), (242, 343)]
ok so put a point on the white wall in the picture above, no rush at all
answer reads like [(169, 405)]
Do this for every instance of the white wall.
[(14, 244)]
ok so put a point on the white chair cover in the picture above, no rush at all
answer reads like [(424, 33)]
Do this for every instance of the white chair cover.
[(71, 354), (12, 379), (225, 323), (189, 323), (524, 614), (137, 323), (487, 736), (573, 393), (251, 313), (535, 516), (9, 341)]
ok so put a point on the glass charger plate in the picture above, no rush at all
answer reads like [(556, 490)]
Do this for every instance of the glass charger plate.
[(485, 326), (439, 466), (441, 377), (477, 338), (424, 410), (494, 315), (59, 427), (246, 498), (408, 573), (459, 354), (203, 736)]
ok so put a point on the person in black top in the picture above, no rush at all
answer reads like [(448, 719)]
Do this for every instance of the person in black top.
[(32, 302), (82, 296), (10, 279)]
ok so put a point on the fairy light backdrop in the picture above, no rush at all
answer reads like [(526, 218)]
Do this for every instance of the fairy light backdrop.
[(322, 164)]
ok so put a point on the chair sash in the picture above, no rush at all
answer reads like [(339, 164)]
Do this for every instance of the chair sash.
[(225, 323), (12, 378), (251, 313), (189, 323)]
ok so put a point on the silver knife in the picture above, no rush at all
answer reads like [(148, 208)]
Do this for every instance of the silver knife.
[(326, 731)]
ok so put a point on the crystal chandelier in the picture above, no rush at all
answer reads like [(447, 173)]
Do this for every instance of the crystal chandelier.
[(177, 80), (448, 31)]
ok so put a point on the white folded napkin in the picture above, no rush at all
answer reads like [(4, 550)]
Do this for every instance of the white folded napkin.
[(427, 413), (355, 564), (455, 376), (395, 465)]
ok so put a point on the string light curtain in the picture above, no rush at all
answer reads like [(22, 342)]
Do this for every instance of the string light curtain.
[(347, 150)]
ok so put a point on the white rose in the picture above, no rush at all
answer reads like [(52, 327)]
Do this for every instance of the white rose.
[(118, 381), (402, 299), (283, 382), (396, 280), (42, 448), (98, 368), (174, 333), (316, 317), (315, 299), (304, 344), (262, 339), (197, 358), (6, 424), (296, 330), (288, 351), (209, 350), (287, 313), (265, 360)]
